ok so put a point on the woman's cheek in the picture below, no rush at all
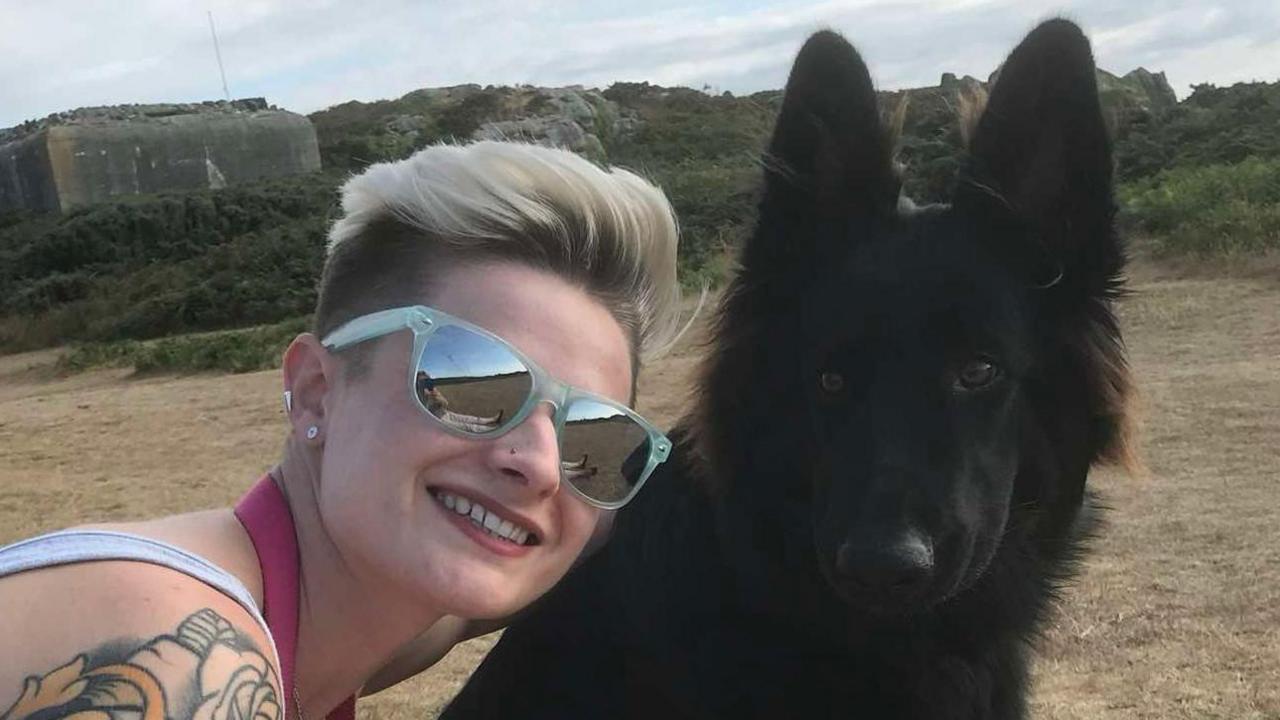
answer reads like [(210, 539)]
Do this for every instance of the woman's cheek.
[(583, 525), (599, 534)]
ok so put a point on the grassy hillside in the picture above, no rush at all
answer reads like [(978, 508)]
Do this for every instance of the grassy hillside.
[(1202, 175)]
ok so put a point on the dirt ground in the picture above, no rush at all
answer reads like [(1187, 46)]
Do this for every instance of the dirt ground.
[(1177, 614)]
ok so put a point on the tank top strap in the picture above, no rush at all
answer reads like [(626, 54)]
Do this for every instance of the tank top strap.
[(265, 514)]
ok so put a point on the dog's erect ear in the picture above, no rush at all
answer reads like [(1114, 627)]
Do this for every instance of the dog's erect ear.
[(830, 152), (830, 139), (1041, 151)]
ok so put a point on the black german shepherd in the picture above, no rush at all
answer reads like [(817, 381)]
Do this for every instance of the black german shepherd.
[(883, 482)]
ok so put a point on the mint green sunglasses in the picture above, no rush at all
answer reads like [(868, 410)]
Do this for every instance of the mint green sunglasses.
[(476, 385)]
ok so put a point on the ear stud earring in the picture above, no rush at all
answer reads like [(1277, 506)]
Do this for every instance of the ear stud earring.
[(312, 432)]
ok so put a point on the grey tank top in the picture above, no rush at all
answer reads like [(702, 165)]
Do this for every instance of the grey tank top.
[(78, 546)]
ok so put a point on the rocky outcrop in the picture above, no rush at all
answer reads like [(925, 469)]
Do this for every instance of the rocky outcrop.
[(967, 84), (1139, 90), (579, 119), (551, 130), (570, 117)]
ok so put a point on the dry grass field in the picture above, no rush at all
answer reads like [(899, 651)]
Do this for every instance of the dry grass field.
[(1177, 614)]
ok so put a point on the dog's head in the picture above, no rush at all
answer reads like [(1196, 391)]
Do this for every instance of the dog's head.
[(891, 384)]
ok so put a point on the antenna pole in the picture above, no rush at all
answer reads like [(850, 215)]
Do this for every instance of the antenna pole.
[(218, 53)]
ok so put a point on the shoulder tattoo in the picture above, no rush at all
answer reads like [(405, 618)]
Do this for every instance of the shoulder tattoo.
[(206, 670)]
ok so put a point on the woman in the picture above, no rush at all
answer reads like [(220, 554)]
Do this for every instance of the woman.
[(459, 425)]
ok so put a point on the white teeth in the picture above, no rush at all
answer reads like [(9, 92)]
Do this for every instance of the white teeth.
[(487, 521)]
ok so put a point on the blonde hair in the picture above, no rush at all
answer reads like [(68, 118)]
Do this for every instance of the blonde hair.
[(605, 229)]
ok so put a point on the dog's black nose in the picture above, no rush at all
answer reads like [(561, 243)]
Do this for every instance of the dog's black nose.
[(899, 566)]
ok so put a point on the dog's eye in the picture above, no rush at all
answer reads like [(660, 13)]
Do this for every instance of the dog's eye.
[(831, 381), (977, 374)]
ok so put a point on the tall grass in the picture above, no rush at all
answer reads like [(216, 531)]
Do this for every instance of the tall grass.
[(1216, 209)]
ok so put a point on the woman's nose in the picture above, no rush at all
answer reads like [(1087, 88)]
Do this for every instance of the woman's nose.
[(530, 452)]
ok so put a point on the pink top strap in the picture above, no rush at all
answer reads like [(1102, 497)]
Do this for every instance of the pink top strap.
[(264, 512)]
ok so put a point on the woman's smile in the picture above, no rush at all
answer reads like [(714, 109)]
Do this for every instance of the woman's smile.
[(490, 525)]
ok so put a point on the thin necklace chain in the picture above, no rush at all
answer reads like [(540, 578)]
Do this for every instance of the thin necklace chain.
[(297, 702)]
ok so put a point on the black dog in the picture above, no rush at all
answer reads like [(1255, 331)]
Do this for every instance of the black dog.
[(883, 482)]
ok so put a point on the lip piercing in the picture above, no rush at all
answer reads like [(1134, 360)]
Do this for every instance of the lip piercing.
[(312, 432)]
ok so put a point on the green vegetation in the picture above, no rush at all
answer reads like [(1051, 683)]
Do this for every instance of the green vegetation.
[(1212, 126), (236, 351), (704, 152), (1199, 176), (1203, 177), (151, 266), (1215, 209)]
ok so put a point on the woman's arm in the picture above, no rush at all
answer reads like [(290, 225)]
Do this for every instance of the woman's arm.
[(129, 641)]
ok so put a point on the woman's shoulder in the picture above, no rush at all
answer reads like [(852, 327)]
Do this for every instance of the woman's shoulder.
[(213, 535), (111, 635)]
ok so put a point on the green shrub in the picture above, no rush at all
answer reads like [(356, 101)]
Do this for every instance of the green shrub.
[(93, 355), (119, 236), (703, 151), (237, 351), (1213, 209), (150, 266), (1212, 126), (715, 204)]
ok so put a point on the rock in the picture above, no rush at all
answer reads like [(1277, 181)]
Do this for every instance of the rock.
[(406, 124), (1156, 87), (967, 85), (570, 117)]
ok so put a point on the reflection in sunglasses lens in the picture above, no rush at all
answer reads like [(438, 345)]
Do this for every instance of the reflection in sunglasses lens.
[(603, 450), (476, 385), (469, 381)]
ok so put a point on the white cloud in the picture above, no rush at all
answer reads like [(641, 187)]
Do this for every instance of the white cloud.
[(307, 54), (110, 71)]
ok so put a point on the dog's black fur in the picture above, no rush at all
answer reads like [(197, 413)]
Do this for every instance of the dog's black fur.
[(883, 482)]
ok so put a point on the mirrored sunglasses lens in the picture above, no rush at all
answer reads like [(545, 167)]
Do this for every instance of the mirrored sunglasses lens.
[(603, 450), (469, 381)]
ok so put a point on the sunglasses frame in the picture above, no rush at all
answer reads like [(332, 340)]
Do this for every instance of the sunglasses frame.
[(424, 321)]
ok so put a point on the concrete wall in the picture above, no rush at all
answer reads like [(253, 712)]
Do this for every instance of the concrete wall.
[(26, 180), (91, 162)]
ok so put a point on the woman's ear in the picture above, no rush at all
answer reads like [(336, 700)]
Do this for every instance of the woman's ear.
[(309, 371)]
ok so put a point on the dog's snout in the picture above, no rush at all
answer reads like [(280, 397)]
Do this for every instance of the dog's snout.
[(898, 567)]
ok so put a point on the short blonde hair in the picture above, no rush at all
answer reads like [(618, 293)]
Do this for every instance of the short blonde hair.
[(604, 229)]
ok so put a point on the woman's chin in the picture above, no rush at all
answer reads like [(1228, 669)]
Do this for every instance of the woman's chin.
[(478, 594), (485, 607)]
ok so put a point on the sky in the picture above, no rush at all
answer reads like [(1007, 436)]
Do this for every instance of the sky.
[(305, 55)]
